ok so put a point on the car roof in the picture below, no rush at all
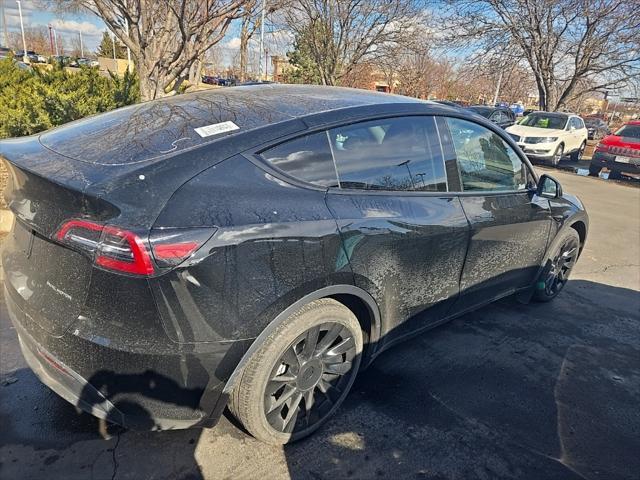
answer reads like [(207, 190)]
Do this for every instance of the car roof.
[(152, 129)]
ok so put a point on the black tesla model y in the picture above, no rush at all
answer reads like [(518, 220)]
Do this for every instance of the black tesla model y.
[(254, 247)]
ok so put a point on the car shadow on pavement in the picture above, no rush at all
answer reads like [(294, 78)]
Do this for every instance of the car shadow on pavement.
[(509, 391)]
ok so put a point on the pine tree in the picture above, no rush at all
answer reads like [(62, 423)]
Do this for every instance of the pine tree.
[(105, 49)]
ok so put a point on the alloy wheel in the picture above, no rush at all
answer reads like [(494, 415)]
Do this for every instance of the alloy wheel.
[(561, 266), (309, 378), (557, 156)]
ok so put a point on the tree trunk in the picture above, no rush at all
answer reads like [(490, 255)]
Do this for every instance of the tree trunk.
[(244, 48), (147, 85)]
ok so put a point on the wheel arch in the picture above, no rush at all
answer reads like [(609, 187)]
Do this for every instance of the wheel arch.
[(355, 299), (580, 227)]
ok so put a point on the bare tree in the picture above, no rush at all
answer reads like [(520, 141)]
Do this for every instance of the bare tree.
[(166, 37), (36, 38), (564, 42), (340, 34)]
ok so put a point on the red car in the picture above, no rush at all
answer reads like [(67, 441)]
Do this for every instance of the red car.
[(619, 152)]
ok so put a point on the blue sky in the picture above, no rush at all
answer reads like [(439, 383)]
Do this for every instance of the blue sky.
[(68, 25)]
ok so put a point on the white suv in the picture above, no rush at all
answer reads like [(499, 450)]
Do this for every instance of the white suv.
[(550, 136)]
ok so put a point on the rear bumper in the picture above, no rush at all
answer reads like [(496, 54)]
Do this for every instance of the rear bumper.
[(171, 389), (602, 159)]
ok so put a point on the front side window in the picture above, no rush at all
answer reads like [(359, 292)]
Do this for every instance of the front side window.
[(307, 158), (389, 154), (485, 160)]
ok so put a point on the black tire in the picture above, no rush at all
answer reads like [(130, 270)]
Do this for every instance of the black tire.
[(557, 155), (577, 155), (594, 170), (556, 272), (615, 175), (309, 372)]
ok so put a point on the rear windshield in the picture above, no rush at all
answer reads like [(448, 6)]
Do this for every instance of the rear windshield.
[(592, 122), (141, 132), (543, 120), (629, 131)]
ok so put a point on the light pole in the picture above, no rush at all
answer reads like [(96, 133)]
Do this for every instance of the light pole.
[(261, 41), (495, 97), (126, 25), (55, 41), (51, 39), (81, 45), (25, 59)]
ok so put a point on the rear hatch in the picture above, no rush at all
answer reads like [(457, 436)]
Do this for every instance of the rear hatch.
[(48, 281)]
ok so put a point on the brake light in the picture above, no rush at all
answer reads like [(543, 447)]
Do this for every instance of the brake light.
[(111, 247), (601, 147), (173, 246), (121, 250)]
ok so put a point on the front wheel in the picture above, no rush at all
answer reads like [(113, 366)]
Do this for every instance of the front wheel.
[(301, 374), (557, 156), (556, 272), (594, 170)]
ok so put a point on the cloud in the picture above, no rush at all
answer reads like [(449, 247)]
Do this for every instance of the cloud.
[(73, 27), (233, 43)]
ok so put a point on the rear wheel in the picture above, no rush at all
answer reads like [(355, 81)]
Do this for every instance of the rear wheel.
[(557, 156), (577, 155), (301, 374), (558, 268)]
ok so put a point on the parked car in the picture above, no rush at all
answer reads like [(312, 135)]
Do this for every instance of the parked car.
[(5, 52), (60, 59), (502, 116), (449, 103), (258, 248), (31, 56), (596, 128), (210, 80), (549, 136), (619, 152)]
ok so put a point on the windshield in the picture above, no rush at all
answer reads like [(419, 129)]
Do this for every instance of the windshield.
[(629, 131), (592, 122), (545, 120)]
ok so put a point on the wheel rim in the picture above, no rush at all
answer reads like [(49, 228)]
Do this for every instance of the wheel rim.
[(581, 151), (310, 377), (561, 266), (558, 155)]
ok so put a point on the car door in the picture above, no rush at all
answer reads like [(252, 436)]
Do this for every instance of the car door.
[(405, 236), (509, 223), (575, 134)]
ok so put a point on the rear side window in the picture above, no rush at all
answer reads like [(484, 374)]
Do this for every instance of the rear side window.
[(485, 160), (307, 158), (402, 154)]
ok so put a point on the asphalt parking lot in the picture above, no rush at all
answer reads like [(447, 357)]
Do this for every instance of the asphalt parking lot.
[(544, 391)]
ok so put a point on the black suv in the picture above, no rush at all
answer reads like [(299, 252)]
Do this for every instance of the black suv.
[(254, 247), (499, 115)]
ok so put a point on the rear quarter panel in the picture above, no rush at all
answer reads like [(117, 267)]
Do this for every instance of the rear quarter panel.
[(275, 243)]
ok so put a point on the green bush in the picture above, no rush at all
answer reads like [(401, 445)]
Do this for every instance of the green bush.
[(34, 100)]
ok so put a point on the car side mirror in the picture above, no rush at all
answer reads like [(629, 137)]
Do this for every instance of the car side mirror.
[(549, 187)]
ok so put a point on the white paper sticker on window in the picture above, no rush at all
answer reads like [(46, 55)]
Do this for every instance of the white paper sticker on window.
[(216, 128)]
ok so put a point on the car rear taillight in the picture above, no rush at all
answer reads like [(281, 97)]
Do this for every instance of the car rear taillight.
[(172, 246), (601, 147), (120, 250)]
